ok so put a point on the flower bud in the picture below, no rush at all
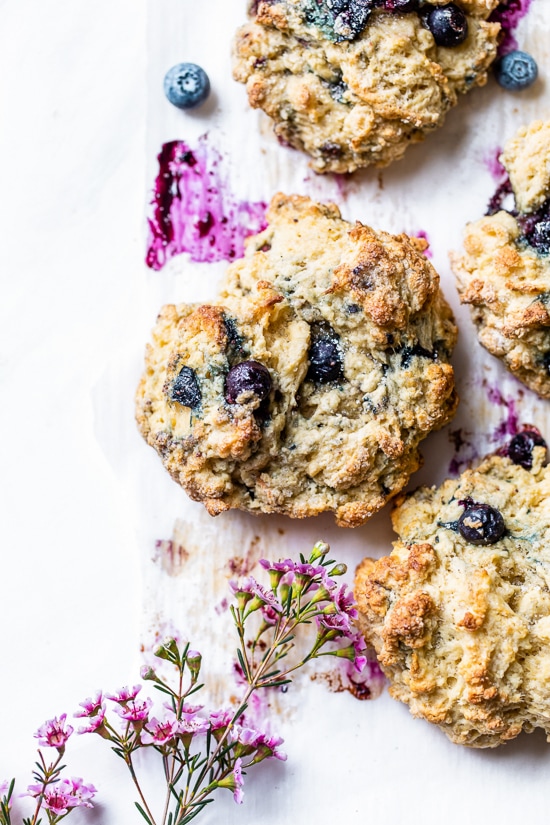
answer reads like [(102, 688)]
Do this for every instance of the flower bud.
[(339, 570), (167, 650), (148, 674), (193, 660), (320, 550)]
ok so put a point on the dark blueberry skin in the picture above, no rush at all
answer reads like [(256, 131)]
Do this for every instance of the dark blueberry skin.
[(325, 359), (352, 18), (185, 389), (448, 25), (400, 5), (540, 238), (516, 71), (520, 448), (481, 524), (186, 85), (250, 377)]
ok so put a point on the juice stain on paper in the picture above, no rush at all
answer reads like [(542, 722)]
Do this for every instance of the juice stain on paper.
[(509, 15), (470, 447), (194, 210)]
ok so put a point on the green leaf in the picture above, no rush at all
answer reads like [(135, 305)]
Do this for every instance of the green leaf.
[(142, 812), (242, 662)]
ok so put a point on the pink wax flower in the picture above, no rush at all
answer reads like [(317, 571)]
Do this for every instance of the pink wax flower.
[(94, 722), (125, 694), (160, 732), (134, 711), (91, 707), (53, 733)]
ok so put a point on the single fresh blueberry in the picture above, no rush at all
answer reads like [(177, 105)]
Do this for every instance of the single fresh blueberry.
[(185, 389), (325, 357), (448, 25), (520, 448), (515, 71), (250, 377), (481, 524), (186, 85)]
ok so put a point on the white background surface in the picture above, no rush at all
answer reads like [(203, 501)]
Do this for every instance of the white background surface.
[(83, 499)]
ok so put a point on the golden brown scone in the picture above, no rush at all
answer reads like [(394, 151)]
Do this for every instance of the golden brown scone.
[(350, 336), (353, 83), (459, 613), (504, 271)]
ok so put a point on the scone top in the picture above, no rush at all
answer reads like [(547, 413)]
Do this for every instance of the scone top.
[(461, 626), (343, 336), (504, 272), (354, 82)]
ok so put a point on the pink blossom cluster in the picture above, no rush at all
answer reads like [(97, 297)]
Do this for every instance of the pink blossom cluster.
[(171, 730), (61, 796), (336, 607)]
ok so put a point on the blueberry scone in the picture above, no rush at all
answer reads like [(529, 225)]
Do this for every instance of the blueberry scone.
[(309, 383), (504, 272), (354, 82), (459, 613)]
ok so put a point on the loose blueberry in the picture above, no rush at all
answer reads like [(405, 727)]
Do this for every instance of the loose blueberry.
[(247, 377), (448, 25), (520, 448), (325, 358), (515, 71), (186, 85), (185, 389), (481, 524)]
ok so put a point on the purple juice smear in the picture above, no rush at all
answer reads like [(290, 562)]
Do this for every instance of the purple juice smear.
[(510, 424), (509, 15), (494, 166), (421, 233), (194, 211)]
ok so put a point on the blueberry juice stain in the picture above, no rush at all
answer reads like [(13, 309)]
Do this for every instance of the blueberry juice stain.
[(509, 14), (194, 210)]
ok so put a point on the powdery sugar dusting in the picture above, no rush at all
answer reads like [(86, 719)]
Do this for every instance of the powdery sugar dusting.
[(509, 15), (193, 209)]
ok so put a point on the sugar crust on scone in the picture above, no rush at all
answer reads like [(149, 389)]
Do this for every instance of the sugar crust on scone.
[(345, 447), (355, 103), (503, 278), (463, 630)]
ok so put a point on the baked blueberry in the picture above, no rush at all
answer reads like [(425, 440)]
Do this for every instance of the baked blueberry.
[(516, 70), (401, 5), (520, 448), (186, 85), (481, 524), (448, 25), (352, 18), (325, 357), (185, 389), (247, 377), (540, 237)]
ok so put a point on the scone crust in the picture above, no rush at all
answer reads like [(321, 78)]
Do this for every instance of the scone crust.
[(346, 446), (462, 630), (356, 103), (506, 281)]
